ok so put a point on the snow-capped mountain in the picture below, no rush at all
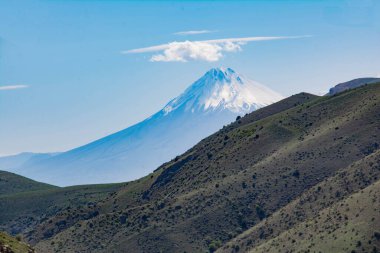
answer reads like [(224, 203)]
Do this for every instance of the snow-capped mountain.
[(211, 102), (223, 89)]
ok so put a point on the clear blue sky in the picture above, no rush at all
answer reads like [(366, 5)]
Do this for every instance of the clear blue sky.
[(80, 87)]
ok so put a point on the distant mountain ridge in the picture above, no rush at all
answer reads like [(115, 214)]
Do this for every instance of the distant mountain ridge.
[(212, 101), (352, 84), (12, 162)]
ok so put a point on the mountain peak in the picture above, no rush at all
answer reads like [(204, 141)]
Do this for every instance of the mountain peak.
[(220, 73), (223, 89), (220, 70)]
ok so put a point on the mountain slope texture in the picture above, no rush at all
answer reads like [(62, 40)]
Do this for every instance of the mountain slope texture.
[(214, 100), (299, 175), (9, 244)]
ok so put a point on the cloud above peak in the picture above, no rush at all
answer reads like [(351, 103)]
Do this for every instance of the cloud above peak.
[(13, 87), (194, 32), (202, 50), (195, 50)]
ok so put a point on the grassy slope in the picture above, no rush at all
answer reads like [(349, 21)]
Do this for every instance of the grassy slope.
[(110, 214), (21, 211), (13, 245), (228, 182), (351, 225), (308, 206), (12, 183)]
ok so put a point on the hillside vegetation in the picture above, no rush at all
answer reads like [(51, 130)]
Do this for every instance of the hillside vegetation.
[(322, 216), (9, 244), (11, 183), (298, 175), (32, 202), (350, 225)]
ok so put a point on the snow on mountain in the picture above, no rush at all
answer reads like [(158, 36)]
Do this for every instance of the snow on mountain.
[(223, 89), (211, 102)]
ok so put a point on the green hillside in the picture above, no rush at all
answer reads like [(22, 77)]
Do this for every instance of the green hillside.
[(299, 175), (9, 244), (21, 210), (12, 183), (307, 208), (351, 225)]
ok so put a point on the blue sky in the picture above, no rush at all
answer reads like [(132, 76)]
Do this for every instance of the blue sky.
[(64, 80)]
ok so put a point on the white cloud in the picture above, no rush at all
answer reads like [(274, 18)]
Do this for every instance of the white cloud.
[(13, 87), (194, 32), (203, 50), (195, 50)]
